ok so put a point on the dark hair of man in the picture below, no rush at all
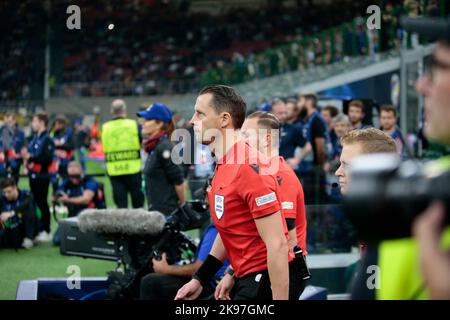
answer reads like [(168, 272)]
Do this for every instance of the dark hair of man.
[(8, 182), (389, 108), (42, 116), (312, 98), (357, 104), (332, 110), (226, 99)]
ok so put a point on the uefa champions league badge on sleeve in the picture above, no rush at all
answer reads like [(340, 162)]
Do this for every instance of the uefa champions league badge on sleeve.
[(219, 205)]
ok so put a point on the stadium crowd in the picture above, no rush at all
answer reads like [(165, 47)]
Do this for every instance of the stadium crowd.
[(139, 61)]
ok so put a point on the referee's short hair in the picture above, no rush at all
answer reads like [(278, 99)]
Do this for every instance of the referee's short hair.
[(266, 120), (227, 99)]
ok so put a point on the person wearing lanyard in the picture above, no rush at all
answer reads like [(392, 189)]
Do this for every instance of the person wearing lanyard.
[(244, 205), (12, 140), (41, 164), (64, 147), (163, 178)]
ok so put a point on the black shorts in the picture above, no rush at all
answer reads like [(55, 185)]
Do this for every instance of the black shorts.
[(256, 285)]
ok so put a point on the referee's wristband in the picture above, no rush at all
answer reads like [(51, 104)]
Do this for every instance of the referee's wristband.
[(207, 270)]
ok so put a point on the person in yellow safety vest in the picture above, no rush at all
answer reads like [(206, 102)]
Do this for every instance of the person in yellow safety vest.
[(418, 267), (121, 144)]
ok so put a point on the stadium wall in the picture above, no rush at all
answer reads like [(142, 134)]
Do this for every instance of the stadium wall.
[(85, 105)]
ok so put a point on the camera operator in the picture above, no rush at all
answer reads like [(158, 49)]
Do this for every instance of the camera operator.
[(18, 219), (167, 279), (78, 192), (396, 254), (253, 234), (433, 238)]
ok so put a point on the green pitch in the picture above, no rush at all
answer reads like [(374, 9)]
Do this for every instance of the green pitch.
[(44, 260)]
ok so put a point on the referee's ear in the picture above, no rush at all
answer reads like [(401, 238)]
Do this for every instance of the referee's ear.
[(226, 121)]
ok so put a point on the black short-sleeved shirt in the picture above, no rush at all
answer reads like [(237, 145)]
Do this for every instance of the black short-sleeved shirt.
[(291, 138), (161, 175), (317, 129)]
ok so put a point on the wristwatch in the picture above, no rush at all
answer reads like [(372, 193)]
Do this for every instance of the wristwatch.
[(230, 271)]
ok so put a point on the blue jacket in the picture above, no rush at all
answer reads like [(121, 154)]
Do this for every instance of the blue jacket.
[(8, 152)]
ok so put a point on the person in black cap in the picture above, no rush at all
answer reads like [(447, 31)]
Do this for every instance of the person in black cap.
[(163, 178)]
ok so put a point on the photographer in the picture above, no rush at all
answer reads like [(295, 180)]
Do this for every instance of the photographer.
[(78, 192), (18, 219), (167, 279), (429, 229), (413, 268)]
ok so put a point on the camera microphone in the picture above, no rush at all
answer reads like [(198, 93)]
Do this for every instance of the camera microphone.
[(122, 221)]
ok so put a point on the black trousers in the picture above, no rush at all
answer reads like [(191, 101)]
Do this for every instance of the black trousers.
[(28, 228), (256, 285), (122, 185), (39, 189), (156, 286)]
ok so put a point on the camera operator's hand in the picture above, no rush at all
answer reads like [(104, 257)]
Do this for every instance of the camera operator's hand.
[(161, 266), (190, 291), (4, 216), (224, 287), (435, 262), (62, 197)]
